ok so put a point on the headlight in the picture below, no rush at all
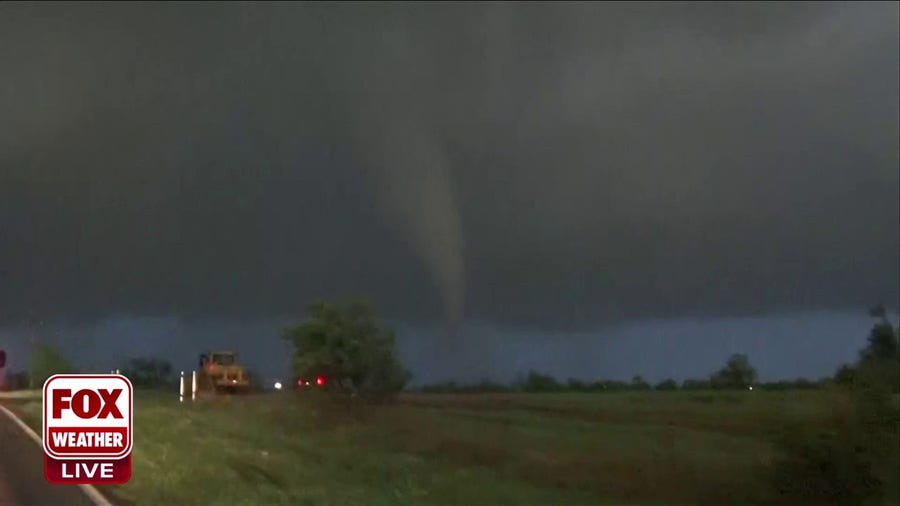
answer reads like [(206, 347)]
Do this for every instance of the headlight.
[(277, 385)]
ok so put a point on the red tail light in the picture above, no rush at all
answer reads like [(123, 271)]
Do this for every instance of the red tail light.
[(320, 381)]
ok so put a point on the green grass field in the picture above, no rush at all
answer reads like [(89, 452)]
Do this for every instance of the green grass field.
[(479, 449)]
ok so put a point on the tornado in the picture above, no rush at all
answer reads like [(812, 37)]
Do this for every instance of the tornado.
[(398, 129), (414, 182)]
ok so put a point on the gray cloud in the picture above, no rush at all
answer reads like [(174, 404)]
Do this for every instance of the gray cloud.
[(537, 164)]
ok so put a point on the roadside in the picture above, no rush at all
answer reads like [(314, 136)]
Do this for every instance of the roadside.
[(22, 470)]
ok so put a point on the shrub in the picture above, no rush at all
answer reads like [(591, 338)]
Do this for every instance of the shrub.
[(825, 468), (853, 460)]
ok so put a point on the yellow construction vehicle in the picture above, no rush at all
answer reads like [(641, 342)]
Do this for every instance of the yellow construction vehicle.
[(219, 372)]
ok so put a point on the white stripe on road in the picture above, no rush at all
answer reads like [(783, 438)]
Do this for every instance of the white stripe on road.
[(89, 490)]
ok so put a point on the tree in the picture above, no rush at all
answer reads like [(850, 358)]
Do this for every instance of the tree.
[(853, 458), (737, 373), (879, 361), (882, 343), (347, 345), (878, 311), (45, 362), (148, 372)]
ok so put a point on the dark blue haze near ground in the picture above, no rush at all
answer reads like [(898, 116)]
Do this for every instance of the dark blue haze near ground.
[(808, 345)]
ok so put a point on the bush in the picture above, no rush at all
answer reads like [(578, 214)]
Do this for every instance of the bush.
[(825, 468), (849, 462), (854, 460)]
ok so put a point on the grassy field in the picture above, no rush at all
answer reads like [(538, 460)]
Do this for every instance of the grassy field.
[(479, 449)]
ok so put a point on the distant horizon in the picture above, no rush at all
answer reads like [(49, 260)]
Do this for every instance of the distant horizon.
[(807, 345)]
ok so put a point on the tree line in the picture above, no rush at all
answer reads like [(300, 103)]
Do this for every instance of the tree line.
[(878, 363), (736, 374), (347, 344)]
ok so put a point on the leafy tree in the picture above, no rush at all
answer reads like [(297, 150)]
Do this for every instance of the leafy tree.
[(737, 373), (45, 362), (347, 345), (882, 343), (148, 372), (878, 311), (852, 459), (879, 362)]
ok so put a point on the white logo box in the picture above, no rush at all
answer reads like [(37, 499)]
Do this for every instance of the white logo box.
[(124, 403)]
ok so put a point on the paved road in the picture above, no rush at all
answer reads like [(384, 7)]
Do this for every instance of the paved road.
[(22, 480)]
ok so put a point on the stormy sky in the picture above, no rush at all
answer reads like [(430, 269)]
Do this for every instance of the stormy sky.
[(552, 167)]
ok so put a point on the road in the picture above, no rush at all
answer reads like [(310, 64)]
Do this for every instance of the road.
[(22, 480)]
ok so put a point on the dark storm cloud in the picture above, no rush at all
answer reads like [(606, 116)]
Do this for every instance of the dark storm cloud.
[(526, 163)]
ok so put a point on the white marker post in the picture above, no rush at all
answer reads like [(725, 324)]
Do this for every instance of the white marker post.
[(181, 388), (193, 385)]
